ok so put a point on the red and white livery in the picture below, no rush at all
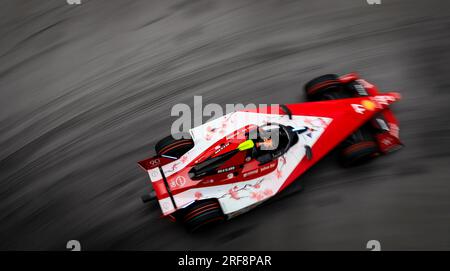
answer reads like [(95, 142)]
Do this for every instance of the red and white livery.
[(235, 162)]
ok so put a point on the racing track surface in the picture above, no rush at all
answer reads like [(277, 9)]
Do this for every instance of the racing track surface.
[(86, 91)]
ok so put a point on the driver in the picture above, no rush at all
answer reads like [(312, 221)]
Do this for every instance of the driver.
[(268, 137), (266, 144)]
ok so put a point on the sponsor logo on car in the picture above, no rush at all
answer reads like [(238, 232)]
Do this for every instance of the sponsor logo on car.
[(383, 100), (223, 170), (365, 105), (222, 147), (253, 172), (264, 168)]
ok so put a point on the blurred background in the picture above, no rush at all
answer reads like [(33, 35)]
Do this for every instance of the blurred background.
[(86, 91)]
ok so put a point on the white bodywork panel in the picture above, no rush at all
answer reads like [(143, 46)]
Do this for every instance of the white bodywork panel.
[(235, 198)]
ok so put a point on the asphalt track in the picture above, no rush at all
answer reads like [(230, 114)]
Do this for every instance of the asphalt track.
[(86, 90)]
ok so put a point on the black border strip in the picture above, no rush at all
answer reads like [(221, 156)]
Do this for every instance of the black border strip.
[(168, 188)]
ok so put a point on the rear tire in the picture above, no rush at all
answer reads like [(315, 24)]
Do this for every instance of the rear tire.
[(325, 87), (202, 214), (173, 147)]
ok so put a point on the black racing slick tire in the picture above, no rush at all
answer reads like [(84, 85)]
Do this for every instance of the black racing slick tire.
[(359, 153), (325, 87), (201, 214), (173, 147), (360, 147)]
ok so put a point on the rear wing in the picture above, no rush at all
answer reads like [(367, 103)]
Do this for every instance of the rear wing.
[(153, 166), (154, 162)]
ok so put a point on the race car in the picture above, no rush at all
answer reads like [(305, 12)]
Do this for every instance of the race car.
[(235, 162)]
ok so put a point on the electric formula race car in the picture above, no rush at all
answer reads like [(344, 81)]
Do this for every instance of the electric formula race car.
[(234, 163)]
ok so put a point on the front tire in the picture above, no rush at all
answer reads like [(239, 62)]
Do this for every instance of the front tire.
[(359, 148), (325, 87)]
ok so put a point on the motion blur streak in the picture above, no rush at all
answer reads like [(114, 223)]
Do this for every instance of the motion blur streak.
[(86, 91)]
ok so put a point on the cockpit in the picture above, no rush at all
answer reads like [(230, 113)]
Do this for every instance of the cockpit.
[(272, 141), (264, 143)]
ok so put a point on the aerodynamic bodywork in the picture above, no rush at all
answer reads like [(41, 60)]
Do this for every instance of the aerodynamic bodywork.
[(235, 162)]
